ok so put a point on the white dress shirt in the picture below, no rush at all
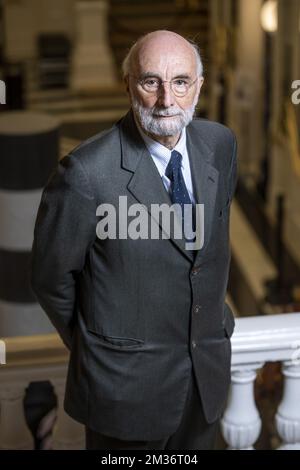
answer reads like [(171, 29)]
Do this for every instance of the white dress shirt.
[(161, 156)]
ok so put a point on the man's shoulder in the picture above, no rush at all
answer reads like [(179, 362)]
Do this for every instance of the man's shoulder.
[(94, 153), (211, 130), (216, 137), (101, 140)]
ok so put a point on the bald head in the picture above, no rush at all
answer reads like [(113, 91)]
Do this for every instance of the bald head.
[(160, 45), (163, 76)]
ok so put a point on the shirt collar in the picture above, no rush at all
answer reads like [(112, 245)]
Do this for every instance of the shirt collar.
[(162, 153)]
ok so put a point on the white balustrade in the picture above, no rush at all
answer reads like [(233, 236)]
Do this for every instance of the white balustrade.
[(288, 413), (258, 340), (241, 424)]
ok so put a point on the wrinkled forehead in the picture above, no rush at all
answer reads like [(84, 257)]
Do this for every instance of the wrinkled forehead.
[(165, 58)]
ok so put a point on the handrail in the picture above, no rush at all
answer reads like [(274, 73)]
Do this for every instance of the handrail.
[(266, 338)]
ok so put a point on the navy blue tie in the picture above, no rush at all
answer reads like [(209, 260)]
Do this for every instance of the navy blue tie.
[(179, 192)]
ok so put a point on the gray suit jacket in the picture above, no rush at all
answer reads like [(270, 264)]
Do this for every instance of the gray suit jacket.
[(137, 315)]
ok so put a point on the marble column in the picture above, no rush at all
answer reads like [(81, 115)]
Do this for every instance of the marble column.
[(92, 62)]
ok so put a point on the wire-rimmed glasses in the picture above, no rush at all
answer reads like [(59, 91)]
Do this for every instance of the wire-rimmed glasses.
[(179, 86)]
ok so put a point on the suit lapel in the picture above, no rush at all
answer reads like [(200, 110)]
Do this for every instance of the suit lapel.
[(146, 184), (205, 180)]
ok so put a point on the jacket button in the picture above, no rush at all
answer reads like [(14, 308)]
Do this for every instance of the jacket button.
[(195, 271), (194, 344), (197, 308)]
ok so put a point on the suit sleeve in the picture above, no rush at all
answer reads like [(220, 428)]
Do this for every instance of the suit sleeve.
[(65, 229)]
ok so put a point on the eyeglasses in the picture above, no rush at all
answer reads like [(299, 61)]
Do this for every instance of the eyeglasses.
[(179, 86)]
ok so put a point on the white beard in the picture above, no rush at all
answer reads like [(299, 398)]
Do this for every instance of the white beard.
[(163, 127)]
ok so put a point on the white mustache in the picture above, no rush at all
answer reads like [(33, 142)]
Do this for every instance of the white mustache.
[(164, 112)]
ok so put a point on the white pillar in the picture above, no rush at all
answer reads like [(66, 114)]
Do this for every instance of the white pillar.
[(67, 434), (288, 413), (14, 433), (241, 423), (92, 64)]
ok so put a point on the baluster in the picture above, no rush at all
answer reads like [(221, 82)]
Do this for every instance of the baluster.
[(14, 432), (241, 423), (288, 414), (67, 433)]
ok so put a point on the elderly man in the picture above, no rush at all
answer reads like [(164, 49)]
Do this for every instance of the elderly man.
[(145, 318)]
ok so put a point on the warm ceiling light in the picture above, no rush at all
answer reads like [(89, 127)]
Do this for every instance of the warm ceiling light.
[(269, 16)]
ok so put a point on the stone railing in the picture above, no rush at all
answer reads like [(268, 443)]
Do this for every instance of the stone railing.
[(256, 340)]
